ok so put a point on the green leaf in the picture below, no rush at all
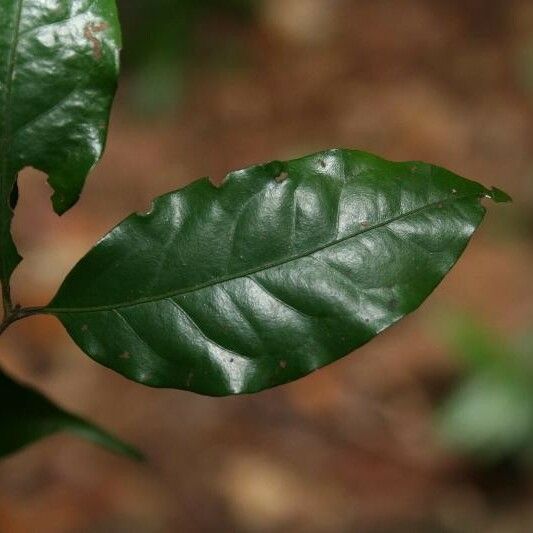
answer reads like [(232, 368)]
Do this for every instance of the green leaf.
[(58, 71), (475, 344), (26, 416), (489, 416), (285, 268)]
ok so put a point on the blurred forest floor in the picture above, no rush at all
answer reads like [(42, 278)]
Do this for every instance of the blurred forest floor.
[(351, 448)]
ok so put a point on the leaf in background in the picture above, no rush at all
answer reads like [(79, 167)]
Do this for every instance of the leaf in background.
[(285, 268), (489, 416), (476, 345), (158, 67), (26, 416), (58, 71)]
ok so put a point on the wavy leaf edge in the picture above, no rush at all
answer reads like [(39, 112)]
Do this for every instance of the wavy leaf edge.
[(280, 172)]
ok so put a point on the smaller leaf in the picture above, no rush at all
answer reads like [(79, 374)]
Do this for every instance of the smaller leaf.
[(474, 344), (59, 62), (27, 416), (488, 417)]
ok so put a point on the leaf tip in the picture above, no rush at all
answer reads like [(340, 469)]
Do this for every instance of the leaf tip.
[(119, 447), (59, 205), (63, 198), (135, 454), (499, 196)]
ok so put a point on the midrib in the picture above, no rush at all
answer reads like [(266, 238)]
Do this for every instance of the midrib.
[(249, 272)]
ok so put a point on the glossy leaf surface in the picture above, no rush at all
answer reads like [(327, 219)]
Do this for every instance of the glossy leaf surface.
[(283, 269), (58, 71), (26, 416)]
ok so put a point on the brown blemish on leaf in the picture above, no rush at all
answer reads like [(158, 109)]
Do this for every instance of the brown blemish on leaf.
[(364, 224), (322, 163), (148, 212), (283, 364), (281, 177), (91, 28), (125, 355), (214, 183), (189, 379), (85, 327)]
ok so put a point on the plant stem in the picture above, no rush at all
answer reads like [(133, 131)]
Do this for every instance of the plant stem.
[(13, 314), (6, 299)]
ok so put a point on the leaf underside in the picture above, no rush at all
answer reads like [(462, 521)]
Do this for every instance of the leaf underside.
[(27, 416), (58, 72), (286, 267)]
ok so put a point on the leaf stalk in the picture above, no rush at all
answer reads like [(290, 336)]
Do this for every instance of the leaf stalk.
[(16, 313)]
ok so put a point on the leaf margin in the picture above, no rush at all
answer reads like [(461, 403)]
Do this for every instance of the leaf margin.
[(277, 168)]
